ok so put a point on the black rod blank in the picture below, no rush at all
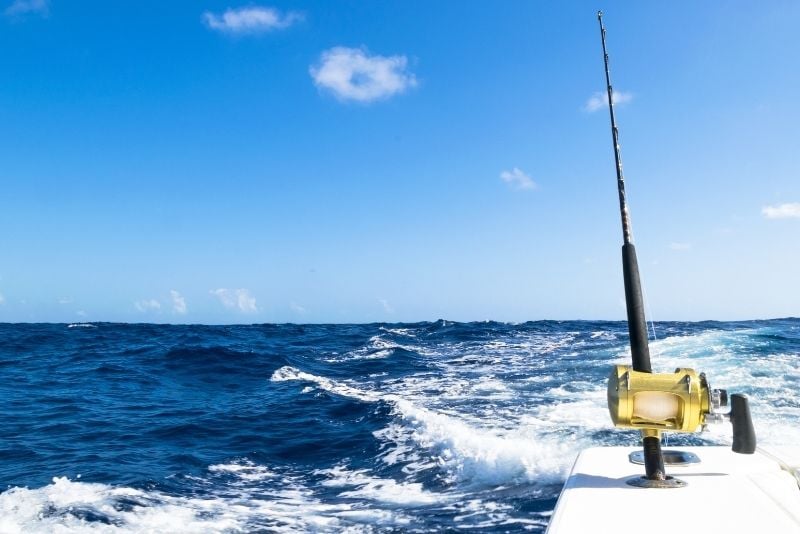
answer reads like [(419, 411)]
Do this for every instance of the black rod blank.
[(637, 326), (627, 234), (634, 302)]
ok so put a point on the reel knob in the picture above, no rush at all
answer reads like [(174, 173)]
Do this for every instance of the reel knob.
[(744, 435)]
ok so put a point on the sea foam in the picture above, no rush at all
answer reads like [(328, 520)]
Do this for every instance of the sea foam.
[(468, 453)]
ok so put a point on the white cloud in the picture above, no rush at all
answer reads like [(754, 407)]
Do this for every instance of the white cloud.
[(517, 179), (295, 307), (253, 19), (147, 305), (600, 100), (386, 306), (2, 299), (24, 7), (65, 300), (240, 299), (680, 246), (178, 302), (353, 74), (81, 313), (782, 211)]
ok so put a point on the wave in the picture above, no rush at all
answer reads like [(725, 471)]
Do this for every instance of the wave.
[(468, 453), (244, 504), (405, 332), (82, 507), (373, 488)]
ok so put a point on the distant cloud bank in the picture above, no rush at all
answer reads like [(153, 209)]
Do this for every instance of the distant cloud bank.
[(147, 305), (178, 302), (387, 307), (354, 74), (152, 305), (599, 100), (251, 19), (28, 7), (790, 210), (516, 179), (237, 299)]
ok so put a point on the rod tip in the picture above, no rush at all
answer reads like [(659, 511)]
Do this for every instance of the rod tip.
[(599, 14)]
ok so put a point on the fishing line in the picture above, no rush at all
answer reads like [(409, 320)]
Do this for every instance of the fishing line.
[(649, 311)]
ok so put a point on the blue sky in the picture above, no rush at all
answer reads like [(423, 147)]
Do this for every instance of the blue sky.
[(223, 162)]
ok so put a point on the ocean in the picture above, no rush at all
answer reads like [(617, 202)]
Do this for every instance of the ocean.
[(424, 427)]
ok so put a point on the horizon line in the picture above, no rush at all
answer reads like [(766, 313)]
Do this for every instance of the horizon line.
[(289, 323)]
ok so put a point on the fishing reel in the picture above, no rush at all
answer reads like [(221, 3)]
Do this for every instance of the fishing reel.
[(677, 402)]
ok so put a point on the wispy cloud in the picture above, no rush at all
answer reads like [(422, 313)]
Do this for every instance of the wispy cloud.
[(147, 305), (517, 179), (28, 7), (680, 246), (239, 299), (790, 210), (65, 300), (178, 302), (295, 307), (252, 19), (386, 306), (354, 74), (600, 100), (2, 299)]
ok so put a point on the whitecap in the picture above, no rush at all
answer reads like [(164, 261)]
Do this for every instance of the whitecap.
[(466, 452), (383, 490), (58, 507)]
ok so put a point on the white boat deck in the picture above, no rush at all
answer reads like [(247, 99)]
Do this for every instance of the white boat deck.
[(726, 492)]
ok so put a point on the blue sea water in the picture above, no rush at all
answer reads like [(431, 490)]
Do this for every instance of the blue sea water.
[(361, 428)]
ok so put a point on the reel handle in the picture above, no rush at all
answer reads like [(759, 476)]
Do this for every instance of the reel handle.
[(744, 435)]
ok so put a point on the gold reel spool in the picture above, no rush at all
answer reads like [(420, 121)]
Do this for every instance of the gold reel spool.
[(678, 402)]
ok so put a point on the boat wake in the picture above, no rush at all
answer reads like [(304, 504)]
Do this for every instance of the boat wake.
[(361, 428), (465, 452)]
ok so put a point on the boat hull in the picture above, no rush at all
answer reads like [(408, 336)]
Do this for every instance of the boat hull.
[(724, 492)]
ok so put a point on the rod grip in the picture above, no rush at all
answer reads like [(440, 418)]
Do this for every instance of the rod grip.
[(634, 303)]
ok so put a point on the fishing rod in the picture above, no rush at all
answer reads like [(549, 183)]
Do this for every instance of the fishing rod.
[(634, 302), (652, 403)]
